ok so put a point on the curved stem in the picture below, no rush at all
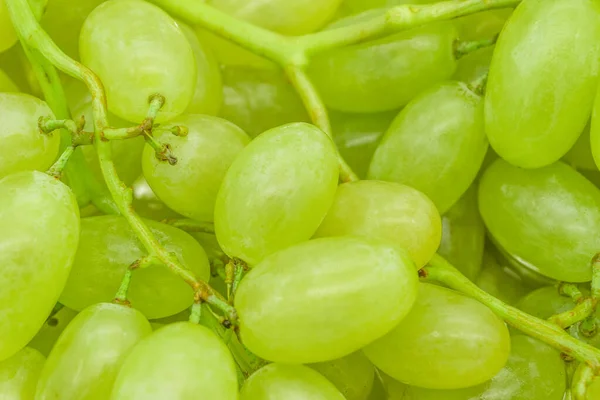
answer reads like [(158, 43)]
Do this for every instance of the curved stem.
[(579, 313), (583, 377), (461, 49)]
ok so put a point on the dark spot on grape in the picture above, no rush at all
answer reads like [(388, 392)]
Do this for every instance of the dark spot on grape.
[(52, 322)]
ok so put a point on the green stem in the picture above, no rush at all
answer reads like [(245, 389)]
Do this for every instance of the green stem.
[(196, 313), (579, 313), (190, 225), (57, 168), (570, 290), (49, 125), (440, 270), (583, 377), (596, 277), (121, 296), (162, 151), (461, 49)]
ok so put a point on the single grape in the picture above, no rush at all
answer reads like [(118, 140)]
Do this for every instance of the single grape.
[(526, 271), (580, 156), (324, 299), (436, 144), (24, 147), (290, 17), (414, 60), (8, 36), (276, 192), (6, 83), (138, 50), (45, 339), (259, 99), (353, 375), (463, 235), (93, 347), (19, 374), (181, 361), (388, 211), (474, 65), (108, 246), (147, 205), (39, 232), (281, 381), (203, 157), (546, 62), (528, 212), (594, 136), (500, 280), (447, 341), (482, 25)]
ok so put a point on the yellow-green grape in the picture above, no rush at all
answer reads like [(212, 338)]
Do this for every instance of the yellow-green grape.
[(45, 339), (447, 341), (546, 61), (138, 51), (208, 95), (414, 60), (436, 144), (7, 84), (463, 235), (350, 290), (257, 99), (500, 280), (281, 381), (482, 25), (39, 232), (88, 355), (357, 135), (528, 212), (595, 133), (182, 361), (474, 65), (108, 246), (353, 375), (24, 147), (8, 36), (203, 157), (580, 156), (290, 17), (276, 192), (19, 374), (147, 205), (387, 211)]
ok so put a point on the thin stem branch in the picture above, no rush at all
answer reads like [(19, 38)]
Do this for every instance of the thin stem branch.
[(570, 290), (579, 313), (121, 296), (461, 49), (583, 377), (58, 167)]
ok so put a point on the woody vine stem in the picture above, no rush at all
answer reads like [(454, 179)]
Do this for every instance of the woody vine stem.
[(293, 55)]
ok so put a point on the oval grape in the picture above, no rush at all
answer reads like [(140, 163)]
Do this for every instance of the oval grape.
[(19, 374), (353, 375)]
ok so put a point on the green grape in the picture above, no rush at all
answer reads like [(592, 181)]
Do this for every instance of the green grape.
[(353, 375), (281, 381), (356, 18), (147, 205), (24, 147), (7, 84), (137, 51), (580, 156), (203, 157), (526, 271), (594, 136), (447, 341), (414, 60), (546, 62), (289, 17), (276, 192), (528, 212), (63, 20), (181, 361), (8, 36), (208, 95), (324, 299), (474, 65), (108, 246), (482, 25), (500, 281), (39, 231), (94, 345), (436, 144), (257, 99), (388, 211), (357, 6), (45, 339), (463, 235), (357, 136), (19, 374)]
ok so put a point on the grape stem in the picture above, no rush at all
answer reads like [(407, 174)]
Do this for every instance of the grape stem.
[(580, 312), (34, 37), (461, 49), (121, 296), (570, 290), (583, 377), (57, 168)]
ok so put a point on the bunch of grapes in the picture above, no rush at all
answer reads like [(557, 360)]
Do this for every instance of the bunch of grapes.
[(299, 199)]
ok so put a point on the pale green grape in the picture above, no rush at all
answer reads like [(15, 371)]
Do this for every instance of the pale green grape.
[(463, 235), (474, 65), (19, 374), (45, 339), (257, 99), (580, 156), (85, 361), (447, 341), (147, 205), (353, 375), (546, 62), (324, 299), (436, 144), (181, 361), (137, 50), (7, 84), (482, 25), (414, 60), (388, 211), (595, 133), (290, 17), (281, 381), (500, 281), (528, 212), (8, 36), (108, 246), (39, 232), (203, 157), (276, 192), (357, 135), (524, 270), (24, 147)]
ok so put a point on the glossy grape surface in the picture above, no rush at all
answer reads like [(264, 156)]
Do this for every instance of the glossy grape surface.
[(474, 65), (546, 62), (500, 280), (482, 25), (6, 83), (353, 375), (349, 290), (108, 246), (47, 336), (19, 374)]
